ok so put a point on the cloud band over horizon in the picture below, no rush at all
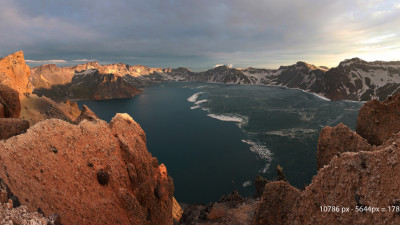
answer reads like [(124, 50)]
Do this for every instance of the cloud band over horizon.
[(201, 34)]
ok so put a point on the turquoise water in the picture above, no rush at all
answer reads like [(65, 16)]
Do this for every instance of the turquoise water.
[(214, 138)]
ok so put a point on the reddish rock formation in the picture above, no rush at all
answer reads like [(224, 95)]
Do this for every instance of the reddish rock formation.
[(335, 140), (354, 179), (64, 179), (276, 203), (48, 75), (86, 114), (9, 100), (10, 127), (176, 211), (378, 121), (112, 86), (15, 73)]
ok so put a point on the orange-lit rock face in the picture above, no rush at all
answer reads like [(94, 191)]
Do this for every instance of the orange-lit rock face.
[(90, 173), (15, 73)]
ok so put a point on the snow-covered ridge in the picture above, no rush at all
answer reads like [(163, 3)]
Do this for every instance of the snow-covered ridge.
[(353, 79)]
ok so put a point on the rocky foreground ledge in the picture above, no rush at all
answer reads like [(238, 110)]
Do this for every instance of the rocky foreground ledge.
[(356, 171), (89, 173)]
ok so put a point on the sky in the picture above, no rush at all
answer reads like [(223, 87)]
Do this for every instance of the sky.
[(200, 34)]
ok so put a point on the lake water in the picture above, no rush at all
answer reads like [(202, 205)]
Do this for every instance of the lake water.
[(214, 138)]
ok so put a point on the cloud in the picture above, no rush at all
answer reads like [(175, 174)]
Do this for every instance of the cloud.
[(198, 33)]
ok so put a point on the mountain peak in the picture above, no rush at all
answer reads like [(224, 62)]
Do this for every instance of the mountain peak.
[(351, 61), (309, 66)]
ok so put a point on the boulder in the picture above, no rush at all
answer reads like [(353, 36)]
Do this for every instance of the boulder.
[(335, 140)]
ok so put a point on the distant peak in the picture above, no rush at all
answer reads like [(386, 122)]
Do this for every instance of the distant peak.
[(351, 61), (308, 66)]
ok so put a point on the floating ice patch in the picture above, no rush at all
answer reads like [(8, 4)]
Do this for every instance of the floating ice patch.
[(194, 97), (293, 133), (200, 87), (262, 151), (225, 117), (246, 184), (201, 101), (321, 97)]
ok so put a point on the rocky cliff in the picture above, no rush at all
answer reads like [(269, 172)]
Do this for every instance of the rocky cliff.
[(92, 80), (15, 73), (80, 168), (90, 173), (357, 183)]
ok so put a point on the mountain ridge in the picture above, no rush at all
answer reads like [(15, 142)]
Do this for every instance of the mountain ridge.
[(353, 79)]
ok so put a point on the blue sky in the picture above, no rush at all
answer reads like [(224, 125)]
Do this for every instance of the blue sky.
[(200, 33)]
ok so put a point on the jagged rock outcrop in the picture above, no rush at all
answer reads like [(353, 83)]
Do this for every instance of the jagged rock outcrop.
[(86, 114), (378, 121), (90, 173), (276, 203), (355, 179), (9, 102), (15, 73), (362, 177), (335, 140)]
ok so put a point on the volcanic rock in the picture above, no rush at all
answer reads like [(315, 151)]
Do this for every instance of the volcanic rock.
[(378, 121), (276, 203), (86, 114), (9, 101), (176, 211), (63, 183), (363, 179), (10, 127), (335, 140), (15, 73)]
